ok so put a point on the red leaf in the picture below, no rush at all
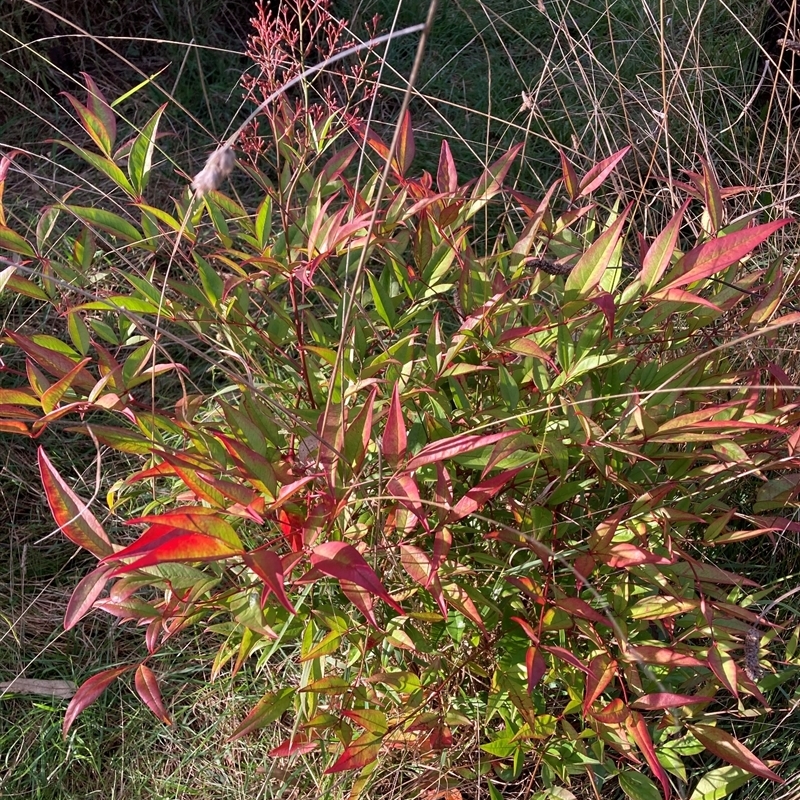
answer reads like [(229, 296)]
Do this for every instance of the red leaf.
[(625, 554), (360, 752), (298, 746), (602, 669), (455, 446), (147, 688), (179, 547), (86, 592), (570, 177), (566, 656), (605, 302), (442, 542), (394, 436), (641, 736), (613, 714), (478, 495), (580, 608), (342, 561), (267, 565), (661, 700), (665, 656), (446, 175), (361, 599), (724, 746), (713, 256), (405, 490), (56, 363), (600, 171), (680, 296), (71, 514), (88, 693), (535, 666), (657, 258), (405, 144)]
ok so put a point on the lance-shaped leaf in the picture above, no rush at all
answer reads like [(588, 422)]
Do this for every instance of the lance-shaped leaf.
[(490, 183), (594, 178), (360, 752), (86, 592), (141, 156), (298, 746), (638, 730), (658, 256), (394, 435), (56, 362), (267, 710), (724, 746), (455, 446), (405, 144), (602, 669), (88, 693), (535, 666), (267, 565), (342, 561), (359, 431), (178, 547), (71, 514), (147, 688), (711, 257), (662, 700), (591, 266), (480, 494)]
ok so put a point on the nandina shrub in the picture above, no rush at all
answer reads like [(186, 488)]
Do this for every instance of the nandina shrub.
[(445, 476)]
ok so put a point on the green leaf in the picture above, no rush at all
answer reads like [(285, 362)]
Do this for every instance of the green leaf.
[(10, 240), (638, 786), (383, 303), (720, 783), (591, 266), (109, 222), (140, 160), (269, 708), (101, 164)]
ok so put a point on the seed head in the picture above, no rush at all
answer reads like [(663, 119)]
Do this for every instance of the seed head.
[(217, 168)]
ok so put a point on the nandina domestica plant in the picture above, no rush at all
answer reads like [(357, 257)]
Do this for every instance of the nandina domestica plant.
[(500, 482)]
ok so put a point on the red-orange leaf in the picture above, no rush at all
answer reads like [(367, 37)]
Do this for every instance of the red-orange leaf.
[(341, 560), (713, 256), (360, 752), (660, 700), (602, 669), (298, 746), (55, 362), (640, 734), (535, 666), (724, 746), (599, 172), (267, 565), (657, 258), (455, 446), (147, 688), (178, 547), (71, 514), (405, 144), (394, 436), (86, 592), (478, 495), (88, 693)]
